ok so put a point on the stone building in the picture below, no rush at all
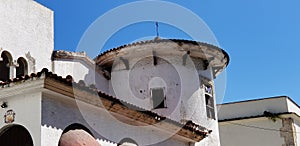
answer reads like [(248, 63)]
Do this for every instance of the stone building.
[(157, 92)]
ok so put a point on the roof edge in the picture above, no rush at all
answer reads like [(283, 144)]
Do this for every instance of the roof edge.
[(165, 40), (258, 99), (66, 86), (258, 116)]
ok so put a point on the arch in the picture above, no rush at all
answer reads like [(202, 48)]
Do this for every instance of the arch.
[(127, 142), (15, 135), (77, 126), (22, 69), (5, 62), (77, 134)]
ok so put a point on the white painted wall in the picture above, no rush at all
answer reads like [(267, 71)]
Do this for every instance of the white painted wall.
[(80, 70), (27, 106), (237, 135), (256, 136), (252, 108), (59, 112), (184, 98), (213, 138), (292, 107), (27, 26), (297, 130)]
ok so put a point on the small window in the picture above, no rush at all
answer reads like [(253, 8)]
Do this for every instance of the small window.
[(209, 101), (210, 110), (158, 97)]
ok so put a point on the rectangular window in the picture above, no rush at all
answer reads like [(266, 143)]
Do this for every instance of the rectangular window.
[(210, 110), (209, 101), (158, 98)]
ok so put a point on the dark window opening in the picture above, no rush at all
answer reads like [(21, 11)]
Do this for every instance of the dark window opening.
[(127, 141), (4, 67), (76, 126), (21, 70), (15, 135), (210, 110), (154, 58), (158, 97)]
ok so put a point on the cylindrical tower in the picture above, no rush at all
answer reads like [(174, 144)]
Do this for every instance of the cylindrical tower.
[(173, 78)]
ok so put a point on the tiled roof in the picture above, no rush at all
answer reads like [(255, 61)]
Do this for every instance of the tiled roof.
[(196, 131), (178, 41)]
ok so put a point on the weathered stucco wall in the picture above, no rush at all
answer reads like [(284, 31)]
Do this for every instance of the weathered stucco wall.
[(297, 131), (80, 70), (182, 84), (26, 105), (59, 112), (260, 130), (253, 108), (27, 27), (244, 133)]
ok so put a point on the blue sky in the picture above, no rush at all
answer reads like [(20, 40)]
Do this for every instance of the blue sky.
[(261, 37)]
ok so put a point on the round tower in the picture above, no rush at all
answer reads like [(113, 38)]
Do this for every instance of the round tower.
[(173, 78)]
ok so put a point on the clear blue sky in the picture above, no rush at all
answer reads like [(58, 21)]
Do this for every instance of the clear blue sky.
[(261, 37)]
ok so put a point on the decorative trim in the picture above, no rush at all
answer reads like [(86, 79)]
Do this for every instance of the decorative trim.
[(31, 61), (9, 117), (13, 63)]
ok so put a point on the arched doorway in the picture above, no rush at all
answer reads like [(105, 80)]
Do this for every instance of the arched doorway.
[(4, 66), (22, 69), (127, 142), (15, 135), (77, 135)]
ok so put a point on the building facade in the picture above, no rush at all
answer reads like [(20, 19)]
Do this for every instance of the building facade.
[(268, 121), (157, 92)]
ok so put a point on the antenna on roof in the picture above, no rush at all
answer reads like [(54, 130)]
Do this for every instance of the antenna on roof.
[(157, 33)]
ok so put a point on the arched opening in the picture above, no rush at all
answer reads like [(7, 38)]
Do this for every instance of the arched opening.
[(22, 69), (15, 135), (77, 135), (5, 61), (77, 126), (127, 142)]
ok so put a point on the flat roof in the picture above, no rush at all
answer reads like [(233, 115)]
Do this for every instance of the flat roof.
[(257, 107)]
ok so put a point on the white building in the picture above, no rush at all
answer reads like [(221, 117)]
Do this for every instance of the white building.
[(158, 92), (263, 122)]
